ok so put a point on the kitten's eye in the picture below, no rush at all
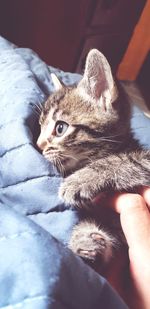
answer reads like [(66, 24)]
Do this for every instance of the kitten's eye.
[(60, 128)]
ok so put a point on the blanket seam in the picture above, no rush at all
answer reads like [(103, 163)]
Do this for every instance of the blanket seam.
[(14, 236), (14, 148), (29, 179)]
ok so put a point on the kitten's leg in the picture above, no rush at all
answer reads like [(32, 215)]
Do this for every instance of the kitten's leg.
[(116, 172), (92, 243)]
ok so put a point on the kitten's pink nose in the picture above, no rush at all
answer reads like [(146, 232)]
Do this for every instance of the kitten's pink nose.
[(41, 143)]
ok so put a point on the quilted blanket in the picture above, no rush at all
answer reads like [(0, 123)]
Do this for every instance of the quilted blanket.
[(37, 270)]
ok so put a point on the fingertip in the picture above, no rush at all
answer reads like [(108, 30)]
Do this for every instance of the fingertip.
[(134, 218), (145, 192), (125, 201)]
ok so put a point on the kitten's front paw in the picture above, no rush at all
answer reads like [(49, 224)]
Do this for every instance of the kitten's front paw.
[(74, 192), (92, 243)]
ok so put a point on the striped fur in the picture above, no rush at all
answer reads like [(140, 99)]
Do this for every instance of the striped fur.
[(97, 153)]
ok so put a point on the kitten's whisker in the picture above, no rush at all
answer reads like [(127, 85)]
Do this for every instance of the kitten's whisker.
[(41, 105), (63, 170), (112, 136), (39, 108), (110, 140), (61, 167), (58, 165), (34, 108), (36, 113), (67, 155)]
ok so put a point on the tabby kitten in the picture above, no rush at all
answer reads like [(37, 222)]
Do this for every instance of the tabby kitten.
[(85, 133)]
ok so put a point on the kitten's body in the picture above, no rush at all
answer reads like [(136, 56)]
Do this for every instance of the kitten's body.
[(85, 132)]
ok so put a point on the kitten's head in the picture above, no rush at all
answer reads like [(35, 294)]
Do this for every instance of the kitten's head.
[(84, 122)]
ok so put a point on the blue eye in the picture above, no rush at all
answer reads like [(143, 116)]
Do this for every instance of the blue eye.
[(60, 128)]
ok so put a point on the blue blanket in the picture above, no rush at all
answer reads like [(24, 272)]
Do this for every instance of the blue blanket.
[(37, 270)]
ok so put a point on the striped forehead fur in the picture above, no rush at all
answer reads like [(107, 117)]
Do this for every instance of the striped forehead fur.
[(75, 108)]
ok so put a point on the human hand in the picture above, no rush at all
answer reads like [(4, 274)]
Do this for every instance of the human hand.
[(135, 222)]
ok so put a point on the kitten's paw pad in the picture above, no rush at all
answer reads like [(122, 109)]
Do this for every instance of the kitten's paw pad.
[(92, 243), (98, 245)]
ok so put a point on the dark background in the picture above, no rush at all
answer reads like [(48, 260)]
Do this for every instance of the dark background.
[(63, 31)]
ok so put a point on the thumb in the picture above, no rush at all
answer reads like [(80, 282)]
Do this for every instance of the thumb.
[(135, 221)]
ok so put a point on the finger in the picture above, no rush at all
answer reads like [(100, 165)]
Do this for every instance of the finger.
[(135, 219), (145, 192), (117, 272)]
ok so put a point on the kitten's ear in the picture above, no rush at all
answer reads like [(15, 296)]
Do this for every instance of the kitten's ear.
[(97, 80), (57, 84)]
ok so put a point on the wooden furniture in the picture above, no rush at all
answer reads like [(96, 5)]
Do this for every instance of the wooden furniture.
[(63, 31), (138, 48)]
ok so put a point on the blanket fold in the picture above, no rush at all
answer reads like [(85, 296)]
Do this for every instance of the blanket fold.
[(37, 271)]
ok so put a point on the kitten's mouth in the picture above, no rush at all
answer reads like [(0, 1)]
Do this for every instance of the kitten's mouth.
[(54, 156), (62, 162), (51, 154), (57, 160)]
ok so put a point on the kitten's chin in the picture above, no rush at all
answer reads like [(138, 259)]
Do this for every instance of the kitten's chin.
[(62, 164)]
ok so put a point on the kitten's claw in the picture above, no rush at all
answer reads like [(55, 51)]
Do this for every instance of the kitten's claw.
[(89, 254), (92, 243)]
